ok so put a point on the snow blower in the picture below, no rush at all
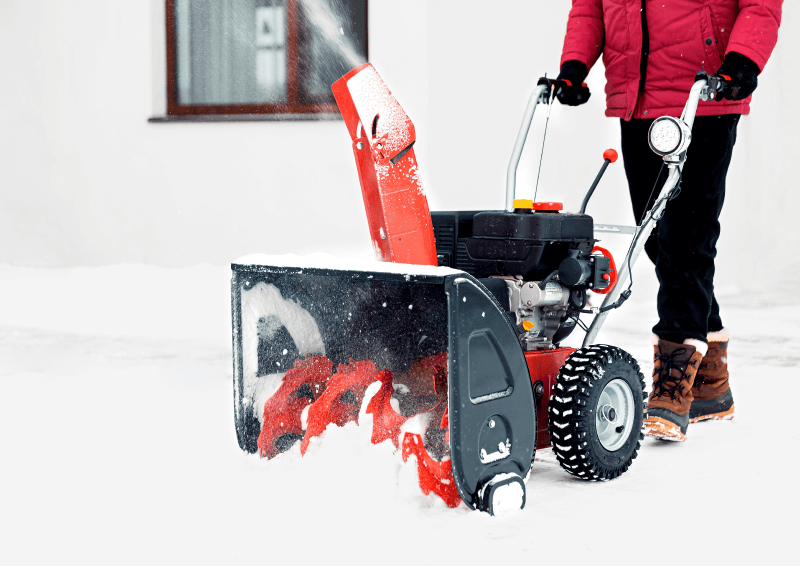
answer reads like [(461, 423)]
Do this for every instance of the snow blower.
[(461, 323)]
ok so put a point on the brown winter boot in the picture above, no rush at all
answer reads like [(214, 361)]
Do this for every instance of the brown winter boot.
[(711, 393), (671, 398)]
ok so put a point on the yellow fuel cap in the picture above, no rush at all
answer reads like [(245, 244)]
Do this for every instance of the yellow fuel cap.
[(523, 203)]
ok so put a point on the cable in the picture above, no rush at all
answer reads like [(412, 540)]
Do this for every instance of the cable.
[(543, 283), (625, 295), (546, 122), (653, 190), (636, 238), (644, 214)]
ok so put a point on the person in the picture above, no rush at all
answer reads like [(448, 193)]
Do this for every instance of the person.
[(651, 51)]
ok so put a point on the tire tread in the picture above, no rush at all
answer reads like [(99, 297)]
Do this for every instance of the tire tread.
[(568, 414)]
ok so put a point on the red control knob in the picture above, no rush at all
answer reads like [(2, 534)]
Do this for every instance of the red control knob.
[(611, 155)]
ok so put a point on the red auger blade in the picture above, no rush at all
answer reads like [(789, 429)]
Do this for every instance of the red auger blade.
[(386, 422), (341, 400), (429, 376), (446, 425), (436, 477), (299, 387), (427, 379)]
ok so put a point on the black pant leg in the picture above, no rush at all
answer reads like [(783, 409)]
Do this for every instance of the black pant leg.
[(683, 245), (714, 319)]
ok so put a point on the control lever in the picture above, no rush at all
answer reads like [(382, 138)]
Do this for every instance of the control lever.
[(609, 156)]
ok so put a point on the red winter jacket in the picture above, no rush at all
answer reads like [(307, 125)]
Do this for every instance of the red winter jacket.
[(683, 36)]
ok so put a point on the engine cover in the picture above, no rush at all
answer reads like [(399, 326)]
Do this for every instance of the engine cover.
[(525, 244), (527, 225)]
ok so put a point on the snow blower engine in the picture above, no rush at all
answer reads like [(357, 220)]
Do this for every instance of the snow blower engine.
[(452, 343)]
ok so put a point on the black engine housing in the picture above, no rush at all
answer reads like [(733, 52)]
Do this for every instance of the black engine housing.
[(525, 244)]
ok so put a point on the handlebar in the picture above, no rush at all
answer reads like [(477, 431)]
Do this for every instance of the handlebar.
[(717, 84), (511, 175), (706, 87)]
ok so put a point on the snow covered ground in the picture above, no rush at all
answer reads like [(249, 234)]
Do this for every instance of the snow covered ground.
[(118, 447)]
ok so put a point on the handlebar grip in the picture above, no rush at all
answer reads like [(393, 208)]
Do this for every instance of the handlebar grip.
[(718, 85)]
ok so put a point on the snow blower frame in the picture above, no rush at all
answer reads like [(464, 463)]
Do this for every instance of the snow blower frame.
[(460, 325)]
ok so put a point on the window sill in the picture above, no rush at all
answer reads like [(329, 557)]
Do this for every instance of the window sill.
[(310, 117)]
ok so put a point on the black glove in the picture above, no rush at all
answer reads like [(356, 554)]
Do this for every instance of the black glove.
[(744, 76), (574, 93)]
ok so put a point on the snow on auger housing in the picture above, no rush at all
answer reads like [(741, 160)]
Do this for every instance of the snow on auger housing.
[(460, 324)]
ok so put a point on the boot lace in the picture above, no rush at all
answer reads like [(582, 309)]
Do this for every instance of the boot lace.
[(667, 383)]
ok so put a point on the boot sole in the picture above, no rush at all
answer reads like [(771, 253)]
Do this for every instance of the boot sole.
[(721, 416), (663, 429), (715, 409)]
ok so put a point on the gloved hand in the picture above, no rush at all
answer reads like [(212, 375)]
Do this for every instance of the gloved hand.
[(574, 93), (744, 76)]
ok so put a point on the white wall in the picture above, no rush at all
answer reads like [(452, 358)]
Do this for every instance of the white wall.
[(86, 180)]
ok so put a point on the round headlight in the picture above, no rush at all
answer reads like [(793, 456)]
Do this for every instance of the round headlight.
[(665, 135)]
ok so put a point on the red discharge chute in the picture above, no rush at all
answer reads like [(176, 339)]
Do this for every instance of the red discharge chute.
[(299, 388), (383, 137), (341, 400), (436, 477)]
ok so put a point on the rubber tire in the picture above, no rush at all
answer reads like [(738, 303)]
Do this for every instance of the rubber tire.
[(571, 412)]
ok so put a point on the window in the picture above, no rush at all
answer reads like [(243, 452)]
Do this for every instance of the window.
[(260, 56)]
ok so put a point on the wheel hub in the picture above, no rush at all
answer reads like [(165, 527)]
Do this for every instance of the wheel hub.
[(607, 413), (614, 414)]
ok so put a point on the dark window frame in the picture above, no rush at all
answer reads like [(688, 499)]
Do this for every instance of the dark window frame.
[(291, 108)]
